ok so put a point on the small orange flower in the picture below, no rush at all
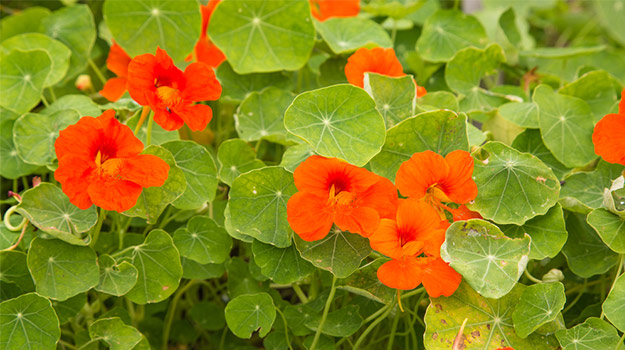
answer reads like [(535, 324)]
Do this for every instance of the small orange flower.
[(100, 163), (205, 51), (421, 91), (332, 191), (609, 135), (117, 62), (376, 60), (416, 230), (463, 213), (429, 176), (324, 9), (154, 80)]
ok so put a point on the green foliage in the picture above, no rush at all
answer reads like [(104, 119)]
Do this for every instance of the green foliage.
[(248, 313), (349, 34), (28, 317), (24, 74), (538, 305)]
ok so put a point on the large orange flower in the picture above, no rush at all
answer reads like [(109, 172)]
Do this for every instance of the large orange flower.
[(413, 241), (205, 51), (429, 176), (376, 60), (332, 191), (154, 80), (99, 163), (324, 9), (609, 135), (117, 62)]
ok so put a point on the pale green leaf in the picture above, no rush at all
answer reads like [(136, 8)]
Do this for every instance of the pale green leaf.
[(593, 334), (235, 157), (348, 34), (610, 228), (236, 87), (539, 304), (246, 314), (23, 77), (614, 305), (114, 332), (203, 241), (394, 97), (261, 115)]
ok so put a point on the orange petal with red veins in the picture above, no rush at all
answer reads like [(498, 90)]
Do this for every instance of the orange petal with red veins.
[(145, 170), (112, 194), (308, 216), (73, 173), (400, 274), (361, 220), (114, 89), (316, 174), (417, 217), (382, 197), (80, 139), (459, 186), (609, 138), (386, 239), (141, 76), (118, 60), (125, 142), (417, 174), (202, 85), (439, 278)]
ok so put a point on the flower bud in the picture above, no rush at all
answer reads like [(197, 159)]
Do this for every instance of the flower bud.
[(554, 275), (83, 82)]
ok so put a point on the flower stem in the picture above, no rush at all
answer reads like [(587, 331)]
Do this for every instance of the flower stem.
[(97, 71), (530, 277), (169, 318), (326, 309), (391, 339), (373, 325), (300, 293), (24, 226), (148, 139), (286, 328), (95, 234)]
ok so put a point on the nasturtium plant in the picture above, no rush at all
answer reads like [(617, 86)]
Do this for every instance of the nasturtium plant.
[(312, 174)]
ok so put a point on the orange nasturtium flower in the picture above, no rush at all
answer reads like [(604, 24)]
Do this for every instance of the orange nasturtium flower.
[(205, 50), (413, 241), (332, 191), (609, 135), (463, 213), (154, 80), (117, 62), (100, 163), (324, 9), (429, 176)]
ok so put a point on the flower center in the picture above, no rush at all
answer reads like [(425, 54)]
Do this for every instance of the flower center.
[(108, 166), (168, 95)]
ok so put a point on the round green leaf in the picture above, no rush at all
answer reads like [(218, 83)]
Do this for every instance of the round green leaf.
[(246, 314), (62, 270), (79, 103), (258, 205), (340, 323), (263, 36), (394, 97), (158, 262), (235, 157), (114, 332), (49, 209), (13, 269), (74, 26), (115, 279), (34, 135), (440, 131), (339, 252), (68, 309), (282, 265), (465, 71), (236, 87), (295, 155), (159, 135), (348, 34), (261, 115), (610, 15), (566, 125), (446, 32), (593, 334), (24, 74), (153, 200), (548, 233), (437, 100), (561, 52), (539, 304), (199, 170), (489, 323), (23, 21), (513, 187), (365, 282), (28, 321), (614, 305), (488, 260), (583, 191), (610, 227), (597, 88), (530, 141), (140, 26), (233, 232), (585, 253), (58, 52), (338, 121), (524, 114), (11, 165), (203, 241)]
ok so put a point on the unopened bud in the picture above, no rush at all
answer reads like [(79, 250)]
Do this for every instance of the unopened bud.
[(83, 82), (36, 181), (554, 275)]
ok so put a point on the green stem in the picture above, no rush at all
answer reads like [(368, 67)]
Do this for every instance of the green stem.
[(45, 102), (300, 293), (413, 292), (222, 341), (148, 139), (95, 234), (52, 94), (530, 277), (326, 309), (97, 71), (169, 317), (579, 296), (372, 326), (85, 345), (286, 328), (391, 339), (618, 273), (620, 342), (377, 313)]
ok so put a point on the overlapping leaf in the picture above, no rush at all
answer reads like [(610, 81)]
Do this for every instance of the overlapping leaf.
[(282, 265), (28, 321), (394, 98), (539, 304), (248, 313), (350, 33), (24, 74)]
